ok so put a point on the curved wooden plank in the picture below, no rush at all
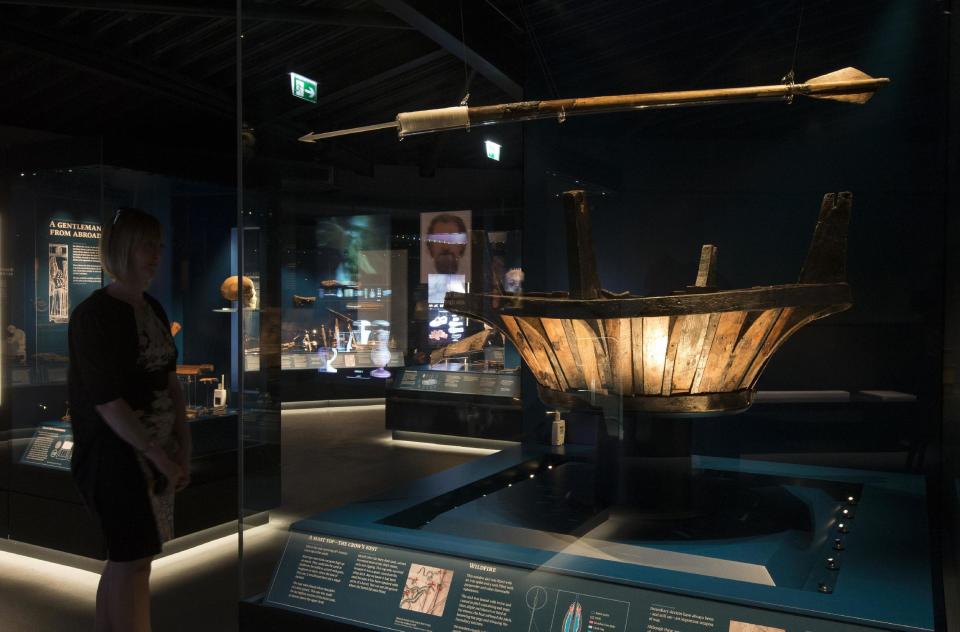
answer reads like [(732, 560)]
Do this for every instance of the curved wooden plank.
[(539, 347), (590, 356), (656, 334), (693, 331), (516, 336), (636, 330), (536, 325), (604, 362), (748, 347), (708, 337), (728, 332), (571, 338), (785, 322), (620, 350), (670, 357), (791, 323), (558, 339)]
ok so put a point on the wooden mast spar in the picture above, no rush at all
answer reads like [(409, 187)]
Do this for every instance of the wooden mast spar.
[(848, 84)]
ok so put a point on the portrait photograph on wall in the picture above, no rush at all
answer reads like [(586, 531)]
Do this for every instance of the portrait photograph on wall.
[(445, 244)]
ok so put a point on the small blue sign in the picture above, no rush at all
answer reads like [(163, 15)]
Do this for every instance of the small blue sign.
[(51, 446)]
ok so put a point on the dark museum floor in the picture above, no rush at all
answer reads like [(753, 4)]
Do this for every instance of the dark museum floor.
[(331, 456)]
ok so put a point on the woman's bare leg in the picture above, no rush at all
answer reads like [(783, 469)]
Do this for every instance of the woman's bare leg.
[(102, 620), (128, 595)]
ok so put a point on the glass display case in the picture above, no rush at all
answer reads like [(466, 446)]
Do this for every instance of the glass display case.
[(53, 209), (721, 394), (343, 304), (608, 517), (464, 381), (341, 298)]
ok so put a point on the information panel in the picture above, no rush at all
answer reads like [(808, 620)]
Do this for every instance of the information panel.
[(73, 265), (340, 360), (67, 274), (489, 384), (51, 446), (388, 588)]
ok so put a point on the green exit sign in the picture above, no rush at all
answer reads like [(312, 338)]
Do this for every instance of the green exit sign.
[(303, 87)]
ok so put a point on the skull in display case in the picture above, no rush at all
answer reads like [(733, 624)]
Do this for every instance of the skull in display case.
[(230, 290)]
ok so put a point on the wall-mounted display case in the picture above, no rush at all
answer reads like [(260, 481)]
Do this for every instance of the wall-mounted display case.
[(52, 220)]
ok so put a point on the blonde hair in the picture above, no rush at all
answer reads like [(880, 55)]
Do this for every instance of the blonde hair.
[(129, 228)]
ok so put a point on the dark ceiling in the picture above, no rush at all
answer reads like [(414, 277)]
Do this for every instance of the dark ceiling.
[(157, 80), (160, 77)]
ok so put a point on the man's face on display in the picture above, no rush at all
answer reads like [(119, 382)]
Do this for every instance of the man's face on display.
[(446, 244)]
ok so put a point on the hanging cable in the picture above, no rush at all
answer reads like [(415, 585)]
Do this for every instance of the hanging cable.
[(538, 51), (504, 16), (466, 74), (790, 77)]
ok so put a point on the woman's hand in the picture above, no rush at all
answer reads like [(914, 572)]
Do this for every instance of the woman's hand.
[(182, 455), (167, 466), (183, 460)]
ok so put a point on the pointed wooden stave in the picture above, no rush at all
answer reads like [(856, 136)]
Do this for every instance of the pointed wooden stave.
[(604, 360), (708, 337), (543, 349), (571, 338), (589, 347), (656, 332), (670, 358), (636, 332), (719, 358), (689, 351), (620, 348), (788, 321), (787, 325), (540, 333), (558, 339), (538, 347), (748, 347), (512, 329)]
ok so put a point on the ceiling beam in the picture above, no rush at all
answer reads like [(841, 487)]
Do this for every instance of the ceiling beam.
[(454, 46), (302, 15)]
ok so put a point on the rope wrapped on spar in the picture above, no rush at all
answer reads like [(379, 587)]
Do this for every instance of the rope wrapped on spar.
[(426, 121)]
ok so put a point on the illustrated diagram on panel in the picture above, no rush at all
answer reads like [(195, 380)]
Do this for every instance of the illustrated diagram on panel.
[(426, 589), (578, 612)]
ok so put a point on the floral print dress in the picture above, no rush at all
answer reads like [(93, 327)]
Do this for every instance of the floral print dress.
[(157, 351)]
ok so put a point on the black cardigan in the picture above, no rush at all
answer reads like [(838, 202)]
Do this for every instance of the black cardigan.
[(104, 352)]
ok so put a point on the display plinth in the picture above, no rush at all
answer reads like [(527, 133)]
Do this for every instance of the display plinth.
[(480, 405), (519, 540)]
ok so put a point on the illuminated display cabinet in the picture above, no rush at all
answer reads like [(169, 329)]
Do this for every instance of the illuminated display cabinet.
[(740, 428)]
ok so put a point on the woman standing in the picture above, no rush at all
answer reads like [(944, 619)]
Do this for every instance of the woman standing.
[(132, 442)]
